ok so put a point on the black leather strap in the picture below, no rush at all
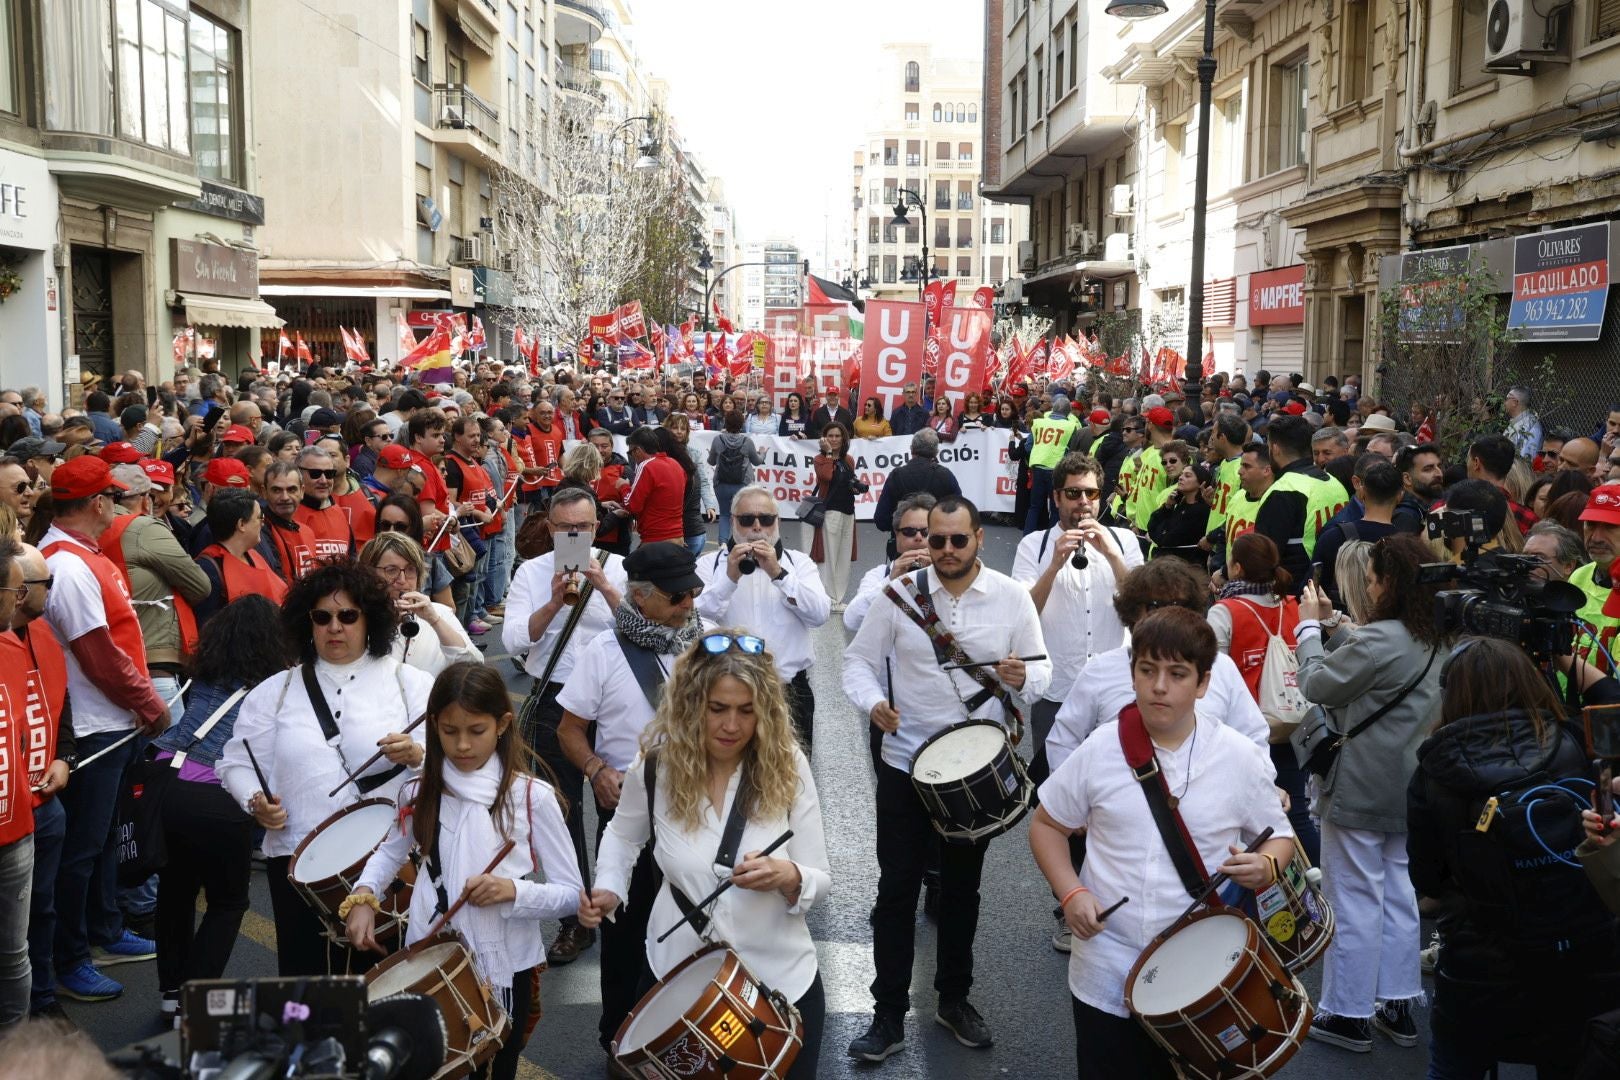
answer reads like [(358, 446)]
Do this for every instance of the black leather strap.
[(329, 729), (730, 839), (1139, 755), (645, 667)]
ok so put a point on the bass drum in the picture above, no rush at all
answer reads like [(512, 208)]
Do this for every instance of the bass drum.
[(972, 781)]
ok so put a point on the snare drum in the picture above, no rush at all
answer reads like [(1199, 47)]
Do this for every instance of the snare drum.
[(1296, 917), (1215, 996), (706, 1012), (441, 967), (326, 867), (972, 782)]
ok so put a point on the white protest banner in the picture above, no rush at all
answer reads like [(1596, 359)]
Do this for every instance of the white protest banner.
[(893, 351)]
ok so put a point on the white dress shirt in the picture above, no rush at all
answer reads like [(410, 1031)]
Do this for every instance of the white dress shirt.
[(782, 613), (1224, 784), (1097, 699), (993, 619), (541, 848), (1078, 619), (426, 652), (369, 698), (604, 689), (531, 589), (870, 588), (769, 934)]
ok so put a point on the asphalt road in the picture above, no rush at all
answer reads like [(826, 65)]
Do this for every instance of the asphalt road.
[(1020, 983)]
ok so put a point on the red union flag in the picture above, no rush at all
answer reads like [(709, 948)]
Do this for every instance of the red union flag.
[(931, 352), (947, 297), (892, 354), (984, 296), (631, 322), (605, 327), (967, 354)]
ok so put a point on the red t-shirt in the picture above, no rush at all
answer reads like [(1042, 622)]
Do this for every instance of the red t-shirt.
[(658, 499)]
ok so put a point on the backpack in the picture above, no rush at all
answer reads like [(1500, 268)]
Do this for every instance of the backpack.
[(1281, 703), (732, 466)]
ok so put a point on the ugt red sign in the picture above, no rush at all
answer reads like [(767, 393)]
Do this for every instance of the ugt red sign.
[(893, 350), (967, 351)]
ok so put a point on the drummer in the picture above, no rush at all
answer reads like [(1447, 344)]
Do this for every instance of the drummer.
[(1219, 782), (347, 699), (991, 619), (724, 724)]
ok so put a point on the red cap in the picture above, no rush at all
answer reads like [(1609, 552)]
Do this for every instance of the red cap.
[(159, 472), (227, 472), (120, 453), (395, 456), (1099, 416), (1603, 505), (236, 433), (84, 476), (1161, 417), (1294, 408)]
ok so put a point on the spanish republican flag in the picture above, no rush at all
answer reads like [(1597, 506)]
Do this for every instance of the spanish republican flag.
[(432, 355)]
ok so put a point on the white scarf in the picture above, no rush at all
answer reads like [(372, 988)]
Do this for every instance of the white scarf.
[(467, 841)]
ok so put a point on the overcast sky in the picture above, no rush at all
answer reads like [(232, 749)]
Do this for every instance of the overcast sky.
[(774, 95)]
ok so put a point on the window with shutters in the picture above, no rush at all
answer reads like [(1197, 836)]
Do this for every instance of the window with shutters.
[(1287, 123), (939, 111), (1355, 51), (891, 152), (1605, 19), (913, 152), (873, 225), (1060, 45), (1468, 58), (913, 76), (964, 266), (888, 269)]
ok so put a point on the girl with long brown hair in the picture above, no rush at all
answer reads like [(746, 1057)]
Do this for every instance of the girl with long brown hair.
[(475, 794)]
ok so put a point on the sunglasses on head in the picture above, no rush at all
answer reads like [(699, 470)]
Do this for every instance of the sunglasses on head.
[(957, 540), (347, 616), (911, 532), (715, 644), (748, 521), (321, 474)]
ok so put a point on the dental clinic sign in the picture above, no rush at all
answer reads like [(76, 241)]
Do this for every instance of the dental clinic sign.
[(1560, 284)]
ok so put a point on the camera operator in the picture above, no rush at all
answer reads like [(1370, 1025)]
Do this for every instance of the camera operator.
[(1559, 550), (1528, 951)]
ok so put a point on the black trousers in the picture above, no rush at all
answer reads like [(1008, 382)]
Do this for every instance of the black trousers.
[(802, 707), (1109, 1047), (903, 841), (503, 1066), (542, 735), (624, 941), (210, 841), (301, 949)]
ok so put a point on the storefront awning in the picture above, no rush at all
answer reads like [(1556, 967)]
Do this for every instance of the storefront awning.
[(228, 311), (398, 292)]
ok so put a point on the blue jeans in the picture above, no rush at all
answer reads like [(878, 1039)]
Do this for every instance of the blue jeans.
[(695, 543), (50, 829), (502, 553), (1040, 501), (87, 880), (723, 494), (16, 879)]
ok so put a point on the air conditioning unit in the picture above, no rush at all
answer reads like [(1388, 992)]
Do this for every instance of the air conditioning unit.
[(1517, 33), (472, 250), (1012, 292), (1119, 200), (1117, 247), (1080, 238), (1026, 255), (506, 264), (451, 116)]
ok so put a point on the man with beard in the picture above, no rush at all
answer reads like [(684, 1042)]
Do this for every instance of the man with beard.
[(291, 544), (327, 524), (989, 617), (1600, 527), (616, 681), (1423, 474), (769, 591)]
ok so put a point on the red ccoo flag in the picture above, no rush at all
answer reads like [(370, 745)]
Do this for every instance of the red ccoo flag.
[(300, 349)]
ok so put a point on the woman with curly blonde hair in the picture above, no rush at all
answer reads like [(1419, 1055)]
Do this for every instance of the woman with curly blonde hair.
[(722, 746)]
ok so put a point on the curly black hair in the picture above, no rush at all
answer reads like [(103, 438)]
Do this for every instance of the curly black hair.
[(363, 585), (241, 645)]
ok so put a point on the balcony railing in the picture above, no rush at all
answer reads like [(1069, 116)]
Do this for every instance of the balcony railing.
[(580, 80), (455, 106), (589, 10)]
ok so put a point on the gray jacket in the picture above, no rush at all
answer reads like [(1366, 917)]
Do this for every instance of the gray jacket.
[(1358, 676)]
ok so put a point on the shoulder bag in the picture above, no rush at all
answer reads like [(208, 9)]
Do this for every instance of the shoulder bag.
[(1317, 742)]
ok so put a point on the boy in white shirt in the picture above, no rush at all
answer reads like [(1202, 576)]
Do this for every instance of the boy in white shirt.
[(1221, 784)]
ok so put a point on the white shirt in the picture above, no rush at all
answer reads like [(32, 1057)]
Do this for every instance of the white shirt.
[(541, 847), (369, 698), (426, 652), (1106, 689), (994, 619), (604, 689), (74, 608), (530, 590), (1078, 619), (1224, 784), (769, 934), (781, 612), (870, 588)]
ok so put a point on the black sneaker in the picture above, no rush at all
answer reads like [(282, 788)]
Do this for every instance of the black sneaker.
[(886, 1035), (965, 1023), (1394, 1018), (1347, 1032)]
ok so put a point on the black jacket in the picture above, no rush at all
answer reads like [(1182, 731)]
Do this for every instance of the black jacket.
[(823, 416), (1282, 518), (1176, 527), (1110, 452), (918, 474)]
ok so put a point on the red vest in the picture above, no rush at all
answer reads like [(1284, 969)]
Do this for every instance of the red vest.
[(16, 806), (35, 652), (362, 514), (477, 489), (1250, 638), (294, 547), (122, 625), (112, 545), (329, 532), (435, 497), (254, 577), (540, 450)]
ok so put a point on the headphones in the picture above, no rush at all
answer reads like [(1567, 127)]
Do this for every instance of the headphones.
[(1456, 651)]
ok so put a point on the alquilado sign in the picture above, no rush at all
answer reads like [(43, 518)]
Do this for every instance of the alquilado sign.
[(1560, 284)]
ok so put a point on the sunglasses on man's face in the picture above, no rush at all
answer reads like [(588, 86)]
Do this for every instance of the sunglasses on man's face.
[(1090, 494), (748, 521), (911, 532), (680, 596), (347, 616), (715, 644), (321, 474), (957, 540), (21, 486)]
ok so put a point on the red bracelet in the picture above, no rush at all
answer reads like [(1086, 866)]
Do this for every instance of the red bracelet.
[(1070, 895)]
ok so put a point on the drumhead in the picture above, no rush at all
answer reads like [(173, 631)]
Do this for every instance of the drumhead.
[(337, 847), (959, 753), (670, 1002), (1189, 964), (402, 976)]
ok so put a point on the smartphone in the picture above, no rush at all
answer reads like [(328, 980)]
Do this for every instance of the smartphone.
[(1603, 793), (1602, 723), (571, 550), (1315, 575)]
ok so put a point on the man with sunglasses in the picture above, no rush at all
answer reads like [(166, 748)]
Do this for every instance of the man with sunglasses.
[(616, 679), (911, 552), (17, 490), (614, 416), (892, 674), (328, 526), (781, 598)]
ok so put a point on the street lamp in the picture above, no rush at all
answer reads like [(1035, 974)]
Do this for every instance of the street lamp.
[(908, 199), (647, 148), (705, 263), (1147, 9)]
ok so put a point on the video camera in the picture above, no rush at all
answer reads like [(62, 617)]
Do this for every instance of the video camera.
[(1502, 597)]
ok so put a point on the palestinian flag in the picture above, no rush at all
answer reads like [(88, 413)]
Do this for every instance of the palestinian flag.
[(818, 290)]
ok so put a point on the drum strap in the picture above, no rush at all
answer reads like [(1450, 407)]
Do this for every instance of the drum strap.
[(948, 651), (1138, 748), (329, 729), (730, 839), (645, 666)]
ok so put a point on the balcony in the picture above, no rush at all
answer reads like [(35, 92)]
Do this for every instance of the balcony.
[(576, 79), (463, 119), (578, 23)]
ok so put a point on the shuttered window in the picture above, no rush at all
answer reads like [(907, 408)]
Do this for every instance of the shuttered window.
[(1605, 19)]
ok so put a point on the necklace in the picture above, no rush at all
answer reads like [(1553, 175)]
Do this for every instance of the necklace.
[(1186, 781)]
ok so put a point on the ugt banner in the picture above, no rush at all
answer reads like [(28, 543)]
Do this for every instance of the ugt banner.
[(966, 353), (893, 352)]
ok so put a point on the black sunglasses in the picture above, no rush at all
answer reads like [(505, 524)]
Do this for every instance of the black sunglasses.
[(679, 596), (21, 486), (911, 532), (347, 616), (1089, 494), (748, 521), (394, 526), (45, 581), (958, 540), (715, 644), (321, 474)]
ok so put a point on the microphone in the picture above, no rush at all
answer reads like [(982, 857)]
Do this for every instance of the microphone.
[(408, 1038)]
